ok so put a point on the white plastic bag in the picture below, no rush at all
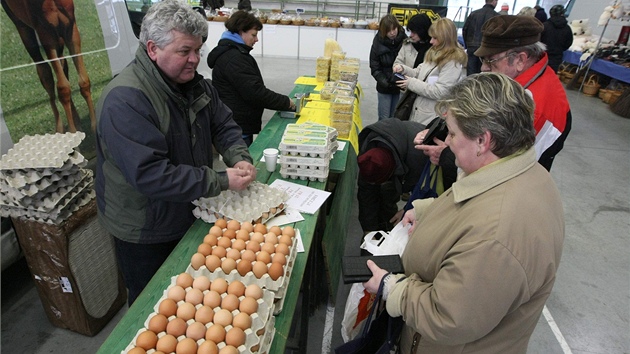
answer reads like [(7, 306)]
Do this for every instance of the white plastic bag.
[(392, 243), (357, 309)]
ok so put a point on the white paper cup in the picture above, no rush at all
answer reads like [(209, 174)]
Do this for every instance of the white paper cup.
[(271, 158)]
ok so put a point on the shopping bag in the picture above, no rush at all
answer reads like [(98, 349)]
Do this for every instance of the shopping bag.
[(426, 186), (380, 243), (358, 306)]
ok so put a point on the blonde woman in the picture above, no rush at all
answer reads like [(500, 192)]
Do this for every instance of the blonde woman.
[(444, 65)]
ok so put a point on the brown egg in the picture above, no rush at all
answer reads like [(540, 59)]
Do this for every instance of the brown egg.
[(204, 249), (230, 302), (176, 293), (247, 226), (167, 307), (252, 246), (257, 237), (287, 240), (276, 230), (194, 296), (279, 258), (167, 344), (289, 231), (204, 314), (208, 347), (222, 223), (248, 255), (177, 327), (248, 305), (283, 248), (212, 299), (264, 257), (212, 262), (138, 350), (197, 260), (259, 269), (196, 331), (268, 247), (216, 231), (243, 267), (271, 238), (219, 251), (276, 270), (184, 280), (260, 228), (233, 225), (253, 290), (158, 323), (228, 349), (231, 234), (242, 320), (224, 242), (238, 245), (242, 235), (219, 285), (237, 288), (234, 254), (235, 336), (223, 317), (202, 283), (215, 333), (186, 311), (228, 265), (147, 340), (187, 346), (211, 239)]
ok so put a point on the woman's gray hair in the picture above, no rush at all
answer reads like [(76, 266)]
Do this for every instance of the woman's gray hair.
[(168, 15), (492, 102)]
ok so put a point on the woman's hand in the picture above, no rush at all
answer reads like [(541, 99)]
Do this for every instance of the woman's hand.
[(398, 68), (420, 137), (402, 84), (397, 217), (409, 218), (433, 151), (375, 281)]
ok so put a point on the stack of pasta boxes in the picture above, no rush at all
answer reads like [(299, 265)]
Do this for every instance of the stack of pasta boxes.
[(306, 150)]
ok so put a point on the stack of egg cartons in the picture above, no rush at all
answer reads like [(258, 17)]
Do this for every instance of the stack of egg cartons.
[(306, 150), (323, 69), (43, 178)]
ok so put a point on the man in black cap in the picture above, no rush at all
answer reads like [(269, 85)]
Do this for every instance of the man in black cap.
[(511, 45), (472, 33), (557, 36)]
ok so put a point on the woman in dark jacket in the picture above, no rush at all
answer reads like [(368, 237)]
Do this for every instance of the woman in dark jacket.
[(557, 35), (237, 78), (385, 47)]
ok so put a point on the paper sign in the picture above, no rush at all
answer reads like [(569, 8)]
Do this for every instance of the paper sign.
[(303, 198), (288, 216)]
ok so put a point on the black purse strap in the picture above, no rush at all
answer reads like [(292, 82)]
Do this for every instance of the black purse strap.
[(375, 307)]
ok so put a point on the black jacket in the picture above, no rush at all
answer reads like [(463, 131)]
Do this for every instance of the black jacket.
[(235, 74), (558, 37), (382, 56), (471, 31)]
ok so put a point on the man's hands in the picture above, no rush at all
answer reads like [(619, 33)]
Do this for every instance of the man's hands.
[(241, 175)]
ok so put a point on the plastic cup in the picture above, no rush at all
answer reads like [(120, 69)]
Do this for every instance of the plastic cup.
[(271, 158)]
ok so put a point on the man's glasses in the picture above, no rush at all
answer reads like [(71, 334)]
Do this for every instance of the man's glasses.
[(490, 62)]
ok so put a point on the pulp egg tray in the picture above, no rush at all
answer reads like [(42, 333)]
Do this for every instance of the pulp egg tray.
[(57, 218), (258, 337), (44, 194), (257, 204), (45, 185), (41, 151), (54, 201), (18, 178)]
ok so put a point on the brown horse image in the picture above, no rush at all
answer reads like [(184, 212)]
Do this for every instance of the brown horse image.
[(53, 23)]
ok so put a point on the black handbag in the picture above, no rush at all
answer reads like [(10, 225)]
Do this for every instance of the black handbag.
[(380, 336), (404, 106)]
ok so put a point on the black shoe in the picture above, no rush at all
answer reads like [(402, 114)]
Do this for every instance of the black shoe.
[(404, 197)]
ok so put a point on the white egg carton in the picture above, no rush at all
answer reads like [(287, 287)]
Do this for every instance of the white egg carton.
[(260, 334), (41, 151), (306, 162), (314, 147), (21, 177), (304, 173)]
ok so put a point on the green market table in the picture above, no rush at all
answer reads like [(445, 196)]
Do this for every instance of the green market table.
[(323, 235)]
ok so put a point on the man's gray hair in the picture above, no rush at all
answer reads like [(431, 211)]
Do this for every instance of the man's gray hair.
[(168, 15), (534, 51)]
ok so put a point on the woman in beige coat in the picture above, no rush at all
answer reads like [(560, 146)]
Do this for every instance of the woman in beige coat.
[(482, 257), (444, 65)]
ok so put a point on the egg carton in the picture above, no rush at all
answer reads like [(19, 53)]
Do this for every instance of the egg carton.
[(298, 150), (79, 202), (310, 131), (55, 200), (21, 177), (36, 193), (304, 146), (41, 151), (305, 173)]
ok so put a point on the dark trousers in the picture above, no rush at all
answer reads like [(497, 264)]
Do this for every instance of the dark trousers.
[(377, 205), (138, 263)]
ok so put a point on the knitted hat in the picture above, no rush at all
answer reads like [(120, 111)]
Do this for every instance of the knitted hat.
[(376, 165), (420, 24), (556, 10), (504, 32), (505, 7)]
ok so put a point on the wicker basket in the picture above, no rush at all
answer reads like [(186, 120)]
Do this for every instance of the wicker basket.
[(569, 74), (614, 96), (591, 86)]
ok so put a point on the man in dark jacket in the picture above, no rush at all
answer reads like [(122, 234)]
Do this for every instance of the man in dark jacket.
[(158, 121), (472, 33), (556, 35), (388, 166), (237, 77)]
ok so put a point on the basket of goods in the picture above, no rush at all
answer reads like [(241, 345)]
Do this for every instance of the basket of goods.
[(312, 22), (220, 18), (569, 73), (274, 18), (372, 24), (360, 24), (286, 20), (298, 21), (591, 86), (335, 23), (349, 23), (324, 22)]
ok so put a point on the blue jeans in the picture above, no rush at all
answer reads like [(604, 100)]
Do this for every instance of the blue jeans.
[(387, 104)]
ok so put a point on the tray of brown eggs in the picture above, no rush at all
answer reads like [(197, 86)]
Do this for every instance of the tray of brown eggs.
[(199, 316), (247, 252)]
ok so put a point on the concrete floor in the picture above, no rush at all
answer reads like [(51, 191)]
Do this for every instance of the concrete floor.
[(588, 311)]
